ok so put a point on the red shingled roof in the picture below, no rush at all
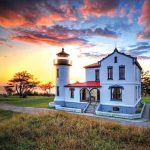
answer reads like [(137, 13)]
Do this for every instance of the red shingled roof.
[(84, 84), (95, 65)]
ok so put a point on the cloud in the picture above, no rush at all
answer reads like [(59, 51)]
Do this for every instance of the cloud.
[(130, 15), (143, 57), (139, 44), (99, 8), (59, 35), (119, 26), (145, 19), (105, 32), (139, 50), (3, 40), (95, 55), (43, 12), (53, 36)]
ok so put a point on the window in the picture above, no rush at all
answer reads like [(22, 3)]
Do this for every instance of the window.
[(116, 109), (57, 92), (72, 92), (110, 72), (122, 72), (97, 75), (57, 73), (139, 91), (136, 92), (115, 59), (116, 93)]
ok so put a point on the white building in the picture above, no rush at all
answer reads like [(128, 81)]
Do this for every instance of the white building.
[(112, 86)]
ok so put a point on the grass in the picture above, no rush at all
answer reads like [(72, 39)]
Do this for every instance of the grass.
[(5, 114), (30, 101), (59, 130), (146, 99)]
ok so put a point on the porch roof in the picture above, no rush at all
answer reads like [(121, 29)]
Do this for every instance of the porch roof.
[(95, 65), (84, 84)]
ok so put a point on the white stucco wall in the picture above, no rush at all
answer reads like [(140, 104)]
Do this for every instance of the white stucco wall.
[(122, 60), (128, 97), (90, 74), (76, 95), (131, 73), (61, 81)]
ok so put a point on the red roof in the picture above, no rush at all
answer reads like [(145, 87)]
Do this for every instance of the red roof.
[(95, 65), (84, 84)]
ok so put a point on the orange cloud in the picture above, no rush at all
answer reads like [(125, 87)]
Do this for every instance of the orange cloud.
[(25, 13), (99, 8), (12, 19)]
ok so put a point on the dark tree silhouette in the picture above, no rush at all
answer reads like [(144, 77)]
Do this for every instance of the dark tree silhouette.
[(9, 89), (146, 83), (47, 87), (23, 82)]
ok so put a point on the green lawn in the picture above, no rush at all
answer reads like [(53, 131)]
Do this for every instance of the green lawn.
[(146, 99), (30, 101)]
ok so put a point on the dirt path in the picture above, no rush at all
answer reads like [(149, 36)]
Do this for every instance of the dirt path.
[(139, 123), (29, 110)]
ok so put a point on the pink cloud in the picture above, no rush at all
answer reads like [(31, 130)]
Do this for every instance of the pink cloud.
[(99, 8), (131, 15), (25, 13), (59, 36), (145, 20)]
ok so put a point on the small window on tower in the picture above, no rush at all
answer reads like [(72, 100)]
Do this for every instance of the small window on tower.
[(57, 73), (115, 59), (57, 92)]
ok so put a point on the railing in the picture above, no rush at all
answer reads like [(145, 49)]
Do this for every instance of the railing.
[(62, 62)]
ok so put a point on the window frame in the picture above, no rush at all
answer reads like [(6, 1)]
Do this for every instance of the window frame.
[(110, 77), (72, 92), (115, 59), (96, 74), (117, 109), (120, 77), (57, 73), (116, 94), (57, 91)]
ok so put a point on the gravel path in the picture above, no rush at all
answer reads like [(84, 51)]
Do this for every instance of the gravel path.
[(29, 110), (139, 122)]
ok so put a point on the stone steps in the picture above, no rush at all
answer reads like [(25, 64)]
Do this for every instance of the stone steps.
[(91, 108)]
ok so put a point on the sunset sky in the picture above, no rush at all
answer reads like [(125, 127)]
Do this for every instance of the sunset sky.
[(33, 31)]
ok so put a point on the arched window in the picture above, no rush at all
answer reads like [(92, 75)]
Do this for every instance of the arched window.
[(84, 94), (95, 94)]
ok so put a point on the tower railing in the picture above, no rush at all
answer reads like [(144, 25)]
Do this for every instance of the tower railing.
[(62, 62)]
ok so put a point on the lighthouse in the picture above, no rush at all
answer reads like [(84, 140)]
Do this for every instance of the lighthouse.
[(62, 64)]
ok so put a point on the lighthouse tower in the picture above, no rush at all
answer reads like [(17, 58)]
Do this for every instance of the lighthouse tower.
[(62, 64)]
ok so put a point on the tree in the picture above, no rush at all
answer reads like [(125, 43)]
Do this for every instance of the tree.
[(9, 89), (23, 82), (146, 83), (47, 87)]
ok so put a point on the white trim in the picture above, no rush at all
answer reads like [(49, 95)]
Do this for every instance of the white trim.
[(120, 82), (117, 104), (120, 115), (58, 107)]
